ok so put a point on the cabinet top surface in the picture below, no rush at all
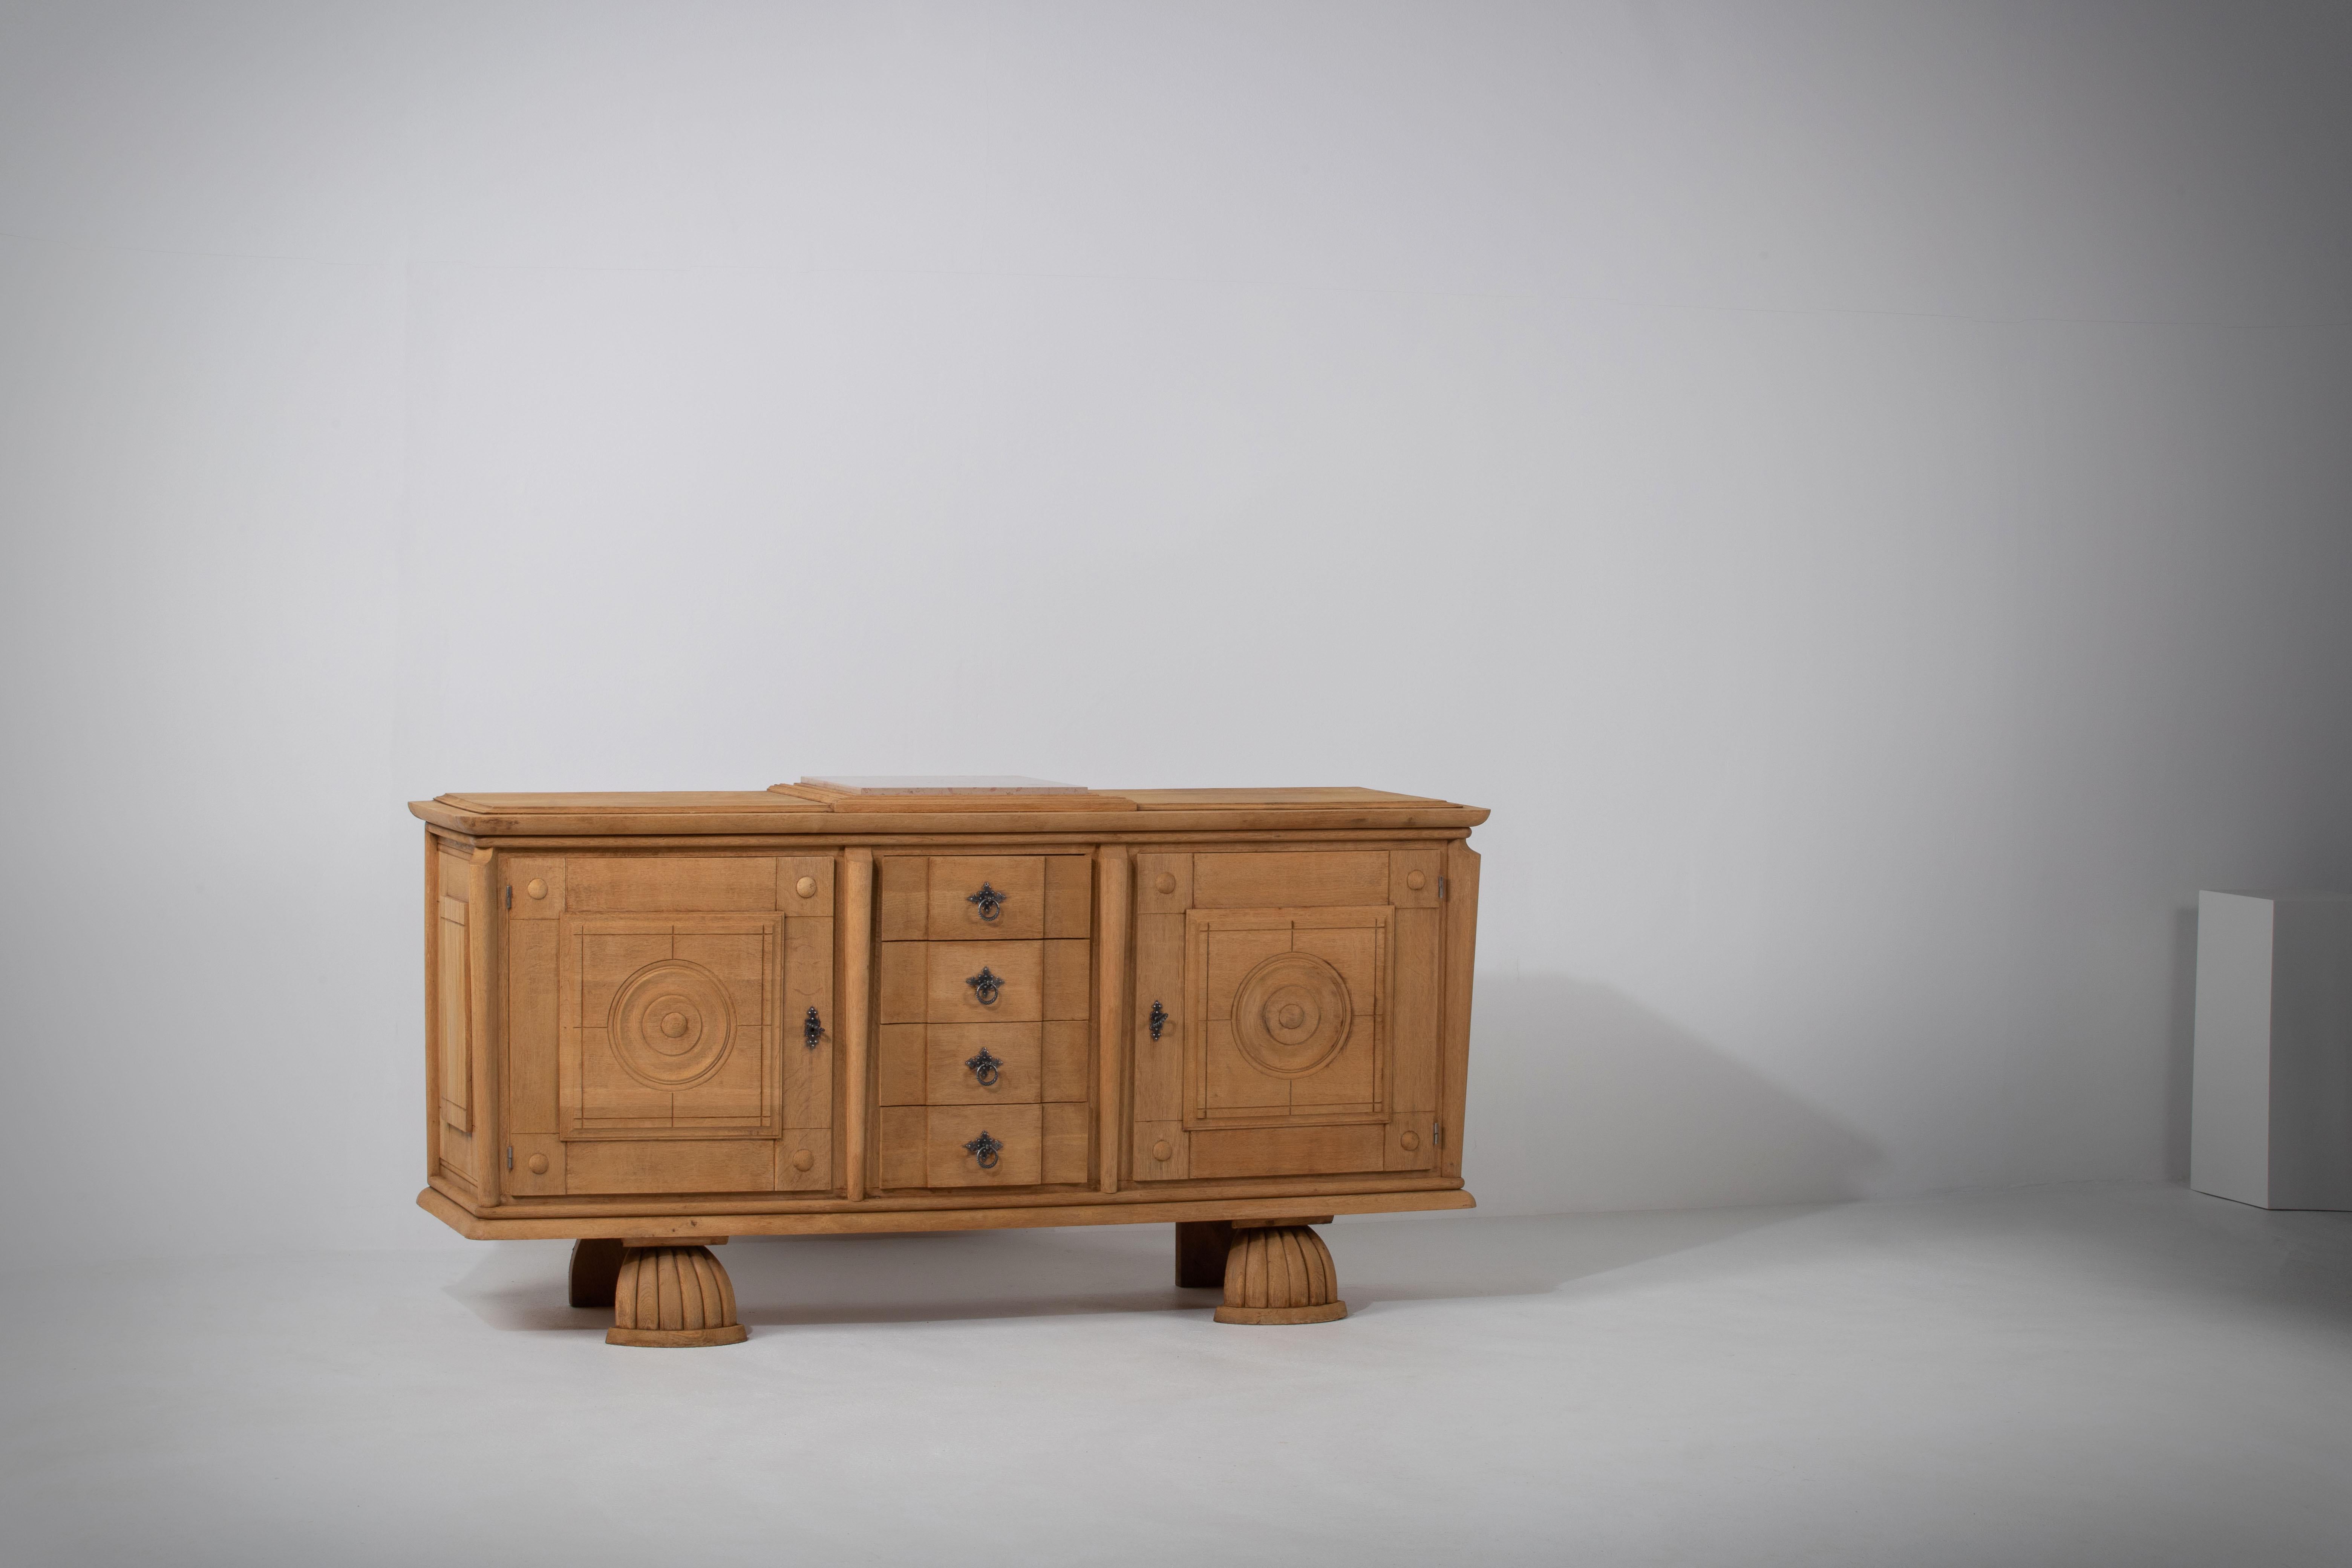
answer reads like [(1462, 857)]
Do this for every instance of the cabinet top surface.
[(813, 807)]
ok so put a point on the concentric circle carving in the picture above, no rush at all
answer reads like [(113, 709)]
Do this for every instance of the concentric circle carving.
[(672, 1023), (1291, 1015)]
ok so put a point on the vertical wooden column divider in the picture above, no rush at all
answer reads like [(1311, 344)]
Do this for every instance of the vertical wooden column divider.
[(856, 1024), (483, 925), (1110, 1005)]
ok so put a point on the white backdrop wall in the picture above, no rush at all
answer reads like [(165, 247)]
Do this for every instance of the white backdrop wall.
[(1863, 492)]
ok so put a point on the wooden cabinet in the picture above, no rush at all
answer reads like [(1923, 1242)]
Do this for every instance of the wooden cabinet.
[(667, 1019)]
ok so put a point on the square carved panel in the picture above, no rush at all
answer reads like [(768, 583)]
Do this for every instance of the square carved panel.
[(1292, 1010), (670, 1025)]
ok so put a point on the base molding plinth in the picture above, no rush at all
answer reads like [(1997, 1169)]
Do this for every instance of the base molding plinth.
[(678, 1339)]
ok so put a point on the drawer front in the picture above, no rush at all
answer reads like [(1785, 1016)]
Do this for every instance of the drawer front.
[(951, 1161), (986, 898), (1010, 1072), (1030, 980), (984, 982)]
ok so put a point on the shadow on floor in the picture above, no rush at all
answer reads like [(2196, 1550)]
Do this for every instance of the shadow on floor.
[(969, 1275), (1584, 1099)]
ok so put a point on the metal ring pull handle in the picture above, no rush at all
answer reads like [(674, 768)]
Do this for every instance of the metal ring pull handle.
[(986, 985), (1158, 1019), (985, 1150), (990, 901), (811, 1028), (984, 1068)]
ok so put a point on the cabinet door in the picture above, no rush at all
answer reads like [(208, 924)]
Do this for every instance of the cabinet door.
[(670, 1023), (1287, 1017)]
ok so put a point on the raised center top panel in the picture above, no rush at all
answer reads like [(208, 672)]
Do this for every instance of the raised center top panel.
[(940, 783)]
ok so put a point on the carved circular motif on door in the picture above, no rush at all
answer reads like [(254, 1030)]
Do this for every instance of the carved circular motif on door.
[(1291, 1015), (672, 1023)]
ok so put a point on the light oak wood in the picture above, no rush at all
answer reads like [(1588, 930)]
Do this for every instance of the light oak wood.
[(956, 882), (856, 970), (670, 1017), (1279, 1274), (887, 1213), (1111, 901), (672, 1297)]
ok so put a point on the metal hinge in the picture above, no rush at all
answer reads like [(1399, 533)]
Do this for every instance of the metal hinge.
[(1437, 1133), (1441, 890), (1441, 882), (510, 1147)]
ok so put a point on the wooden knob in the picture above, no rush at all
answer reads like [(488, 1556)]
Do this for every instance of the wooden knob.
[(806, 887), (803, 1160), (1410, 1140), (1415, 880), (1163, 1151), (535, 887), (1165, 881)]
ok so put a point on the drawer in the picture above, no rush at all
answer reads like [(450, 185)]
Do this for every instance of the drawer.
[(1014, 1064), (1017, 1129), (992, 897), (1033, 979)]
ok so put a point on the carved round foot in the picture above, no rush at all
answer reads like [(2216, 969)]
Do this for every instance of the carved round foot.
[(1280, 1274), (673, 1296)]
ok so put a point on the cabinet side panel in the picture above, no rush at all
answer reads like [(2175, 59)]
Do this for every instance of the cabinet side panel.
[(432, 992), (1461, 963), (456, 1036), (485, 1013)]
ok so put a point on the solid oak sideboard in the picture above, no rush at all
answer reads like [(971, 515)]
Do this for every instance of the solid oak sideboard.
[(654, 1022)]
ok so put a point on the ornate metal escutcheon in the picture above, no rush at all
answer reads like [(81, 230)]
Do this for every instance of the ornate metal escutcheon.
[(986, 985), (990, 901), (984, 1068), (985, 1150), (1158, 1018), (812, 1027)]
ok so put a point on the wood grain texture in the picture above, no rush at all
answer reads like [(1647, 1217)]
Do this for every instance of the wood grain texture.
[(1371, 899), (1289, 880), (483, 1000), (856, 1023), (1461, 959), (1113, 890), (674, 1297), (951, 913), (918, 1211), (1280, 1274)]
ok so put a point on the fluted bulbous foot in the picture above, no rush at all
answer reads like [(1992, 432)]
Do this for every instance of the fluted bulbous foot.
[(673, 1296), (1280, 1274)]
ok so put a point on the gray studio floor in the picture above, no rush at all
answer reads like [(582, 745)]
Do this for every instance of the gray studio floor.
[(2110, 1375)]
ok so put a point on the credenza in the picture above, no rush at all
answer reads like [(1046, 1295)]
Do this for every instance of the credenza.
[(655, 1022)]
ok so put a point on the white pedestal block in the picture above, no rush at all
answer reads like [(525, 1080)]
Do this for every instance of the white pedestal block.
[(2271, 1106)]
